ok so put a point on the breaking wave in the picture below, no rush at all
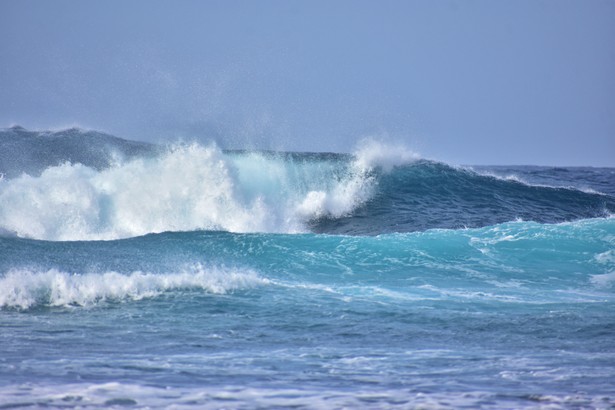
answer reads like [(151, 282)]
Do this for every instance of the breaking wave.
[(27, 288), (139, 189)]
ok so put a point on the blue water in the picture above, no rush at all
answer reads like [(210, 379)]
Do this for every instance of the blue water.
[(140, 276)]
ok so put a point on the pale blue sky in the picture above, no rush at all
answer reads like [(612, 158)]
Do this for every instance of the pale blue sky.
[(467, 82)]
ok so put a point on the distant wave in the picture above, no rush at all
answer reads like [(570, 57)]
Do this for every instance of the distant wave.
[(94, 186), (31, 152), (188, 188), (586, 179)]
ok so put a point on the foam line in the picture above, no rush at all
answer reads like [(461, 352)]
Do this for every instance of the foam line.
[(27, 288)]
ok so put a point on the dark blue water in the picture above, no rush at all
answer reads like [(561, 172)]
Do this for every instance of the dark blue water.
[(150, 277)]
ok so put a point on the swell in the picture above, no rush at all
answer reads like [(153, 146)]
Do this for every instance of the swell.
[(82, 185), (427, 194), (586, 179), (512, 263)]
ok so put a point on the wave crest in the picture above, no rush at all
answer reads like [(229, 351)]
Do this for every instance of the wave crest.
[(24, 289), (379, 189), (189, 188)]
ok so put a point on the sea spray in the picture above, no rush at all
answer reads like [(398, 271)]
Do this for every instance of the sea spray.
[(190, 187), (26, 288)]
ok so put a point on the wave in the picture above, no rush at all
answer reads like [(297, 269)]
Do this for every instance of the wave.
[(427, 195), (102, 187), (512, 263), (188, 188), (590, 180), (31, 152), (27, 288)]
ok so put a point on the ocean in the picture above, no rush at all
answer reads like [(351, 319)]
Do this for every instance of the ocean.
[(135, 275)]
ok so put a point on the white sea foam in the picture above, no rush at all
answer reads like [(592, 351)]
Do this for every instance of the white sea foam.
[(604, 280), (117, 395), (191, 187), (26, 288), (606, 258)]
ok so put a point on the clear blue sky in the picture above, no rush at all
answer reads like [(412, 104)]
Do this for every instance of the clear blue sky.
[(467, 82)]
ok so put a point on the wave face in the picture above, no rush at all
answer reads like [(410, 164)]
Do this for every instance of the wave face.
[(93, 186), (427, 195), (246, 279)]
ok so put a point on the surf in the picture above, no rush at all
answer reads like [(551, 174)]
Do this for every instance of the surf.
[(515, 263), (179, 188), (95, 186), (29, 288)]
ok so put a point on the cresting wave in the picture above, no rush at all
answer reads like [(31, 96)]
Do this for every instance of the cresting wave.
[(189, 187), (27, 288), (102, 187)]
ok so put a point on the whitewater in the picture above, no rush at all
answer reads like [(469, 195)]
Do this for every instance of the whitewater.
[(188, 276)]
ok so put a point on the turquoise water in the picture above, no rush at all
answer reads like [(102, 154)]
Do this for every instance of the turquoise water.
[(198, 278)]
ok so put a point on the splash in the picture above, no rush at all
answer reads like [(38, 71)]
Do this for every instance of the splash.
[(371, 153), (190, 187), (26, 288), (137, 190)]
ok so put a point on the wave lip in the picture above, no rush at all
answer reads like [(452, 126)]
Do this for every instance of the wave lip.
[(25, 289)]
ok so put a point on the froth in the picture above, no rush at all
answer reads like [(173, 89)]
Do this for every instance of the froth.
[(191, 187), (118, 395), (23, 289)]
